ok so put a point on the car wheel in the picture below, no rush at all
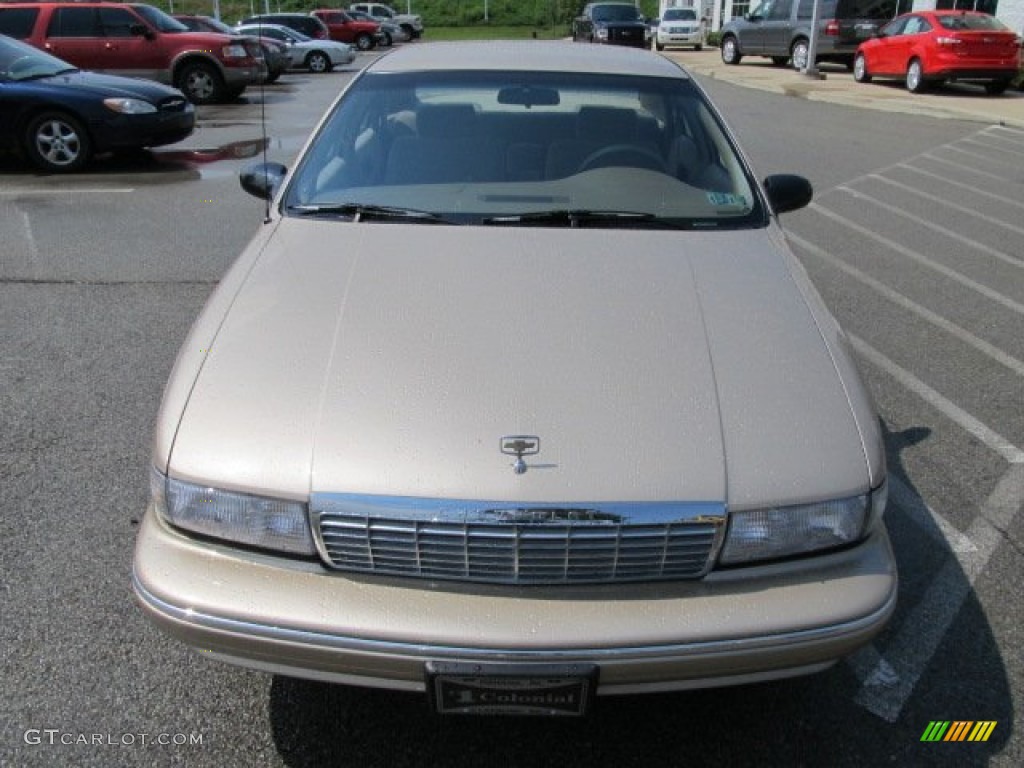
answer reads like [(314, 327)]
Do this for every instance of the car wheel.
[(798, 54), (860, 69), (364, 42), (200, 82), (915, 77), (731, 51), (659, 46), (388, 40), (780, 61), (57, 142), (318, 62), (698, 47), (997, 87)]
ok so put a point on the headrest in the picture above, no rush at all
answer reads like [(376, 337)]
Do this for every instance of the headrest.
[(606, 123), (446, 120)]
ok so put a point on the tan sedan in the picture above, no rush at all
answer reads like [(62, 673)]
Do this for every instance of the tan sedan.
[(519, 397)]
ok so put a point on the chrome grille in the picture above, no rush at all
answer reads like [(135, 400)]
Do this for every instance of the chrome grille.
[(492, 542)]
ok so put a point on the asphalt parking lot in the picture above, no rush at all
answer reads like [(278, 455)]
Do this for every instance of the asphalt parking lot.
[(914, 242)]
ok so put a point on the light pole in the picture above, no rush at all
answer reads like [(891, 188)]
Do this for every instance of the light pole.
[(811, 67)]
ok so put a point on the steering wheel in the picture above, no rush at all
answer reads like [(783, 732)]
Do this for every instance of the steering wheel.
[(629, 155)]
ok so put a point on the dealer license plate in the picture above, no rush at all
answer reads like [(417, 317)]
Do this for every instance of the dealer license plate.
[(496, 689)]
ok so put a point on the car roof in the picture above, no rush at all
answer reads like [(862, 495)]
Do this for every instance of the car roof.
[(527, 56)]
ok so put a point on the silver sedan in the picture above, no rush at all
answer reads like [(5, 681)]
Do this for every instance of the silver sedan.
[(518, 397), (303, 52)]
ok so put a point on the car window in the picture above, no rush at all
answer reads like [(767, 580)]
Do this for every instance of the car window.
[(74, 22), (679, 14), (778, 10), (916, 26), (615, 13), (867, 9), (18, 22), (473, 148), (116, 22), (894, 27), (19, 61), (160, 20), (964, 21)]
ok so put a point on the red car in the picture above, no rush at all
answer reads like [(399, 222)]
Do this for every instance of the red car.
[(926, 48), (345, 29)]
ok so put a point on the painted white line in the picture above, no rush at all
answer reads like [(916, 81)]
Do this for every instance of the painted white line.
[(993, 147), (927, 519), (888, 686), (1013, 261), (30, 240), (23, 191), (987, 349), (996, 442), (962, 168), (974, 191), (975, 155), (952, 274), (935, 199)]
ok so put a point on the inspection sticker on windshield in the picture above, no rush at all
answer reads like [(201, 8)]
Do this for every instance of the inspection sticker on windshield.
[(727, 200), (475, 689)]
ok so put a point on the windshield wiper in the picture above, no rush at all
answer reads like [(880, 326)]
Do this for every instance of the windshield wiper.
[(577, 218), (364, 212)]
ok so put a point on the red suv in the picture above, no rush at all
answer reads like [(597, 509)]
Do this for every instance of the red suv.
[(138, 41), (345, 29)]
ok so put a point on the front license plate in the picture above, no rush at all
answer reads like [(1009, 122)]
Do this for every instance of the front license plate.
[(485, 689)]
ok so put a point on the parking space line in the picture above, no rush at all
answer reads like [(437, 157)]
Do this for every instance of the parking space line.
[(996, 442), (956, 207), (990, 350), (920, 258), (978, 191), (945, 232), (964, 168), (985, 145), (21, 191), (891, 682), (976, 155)]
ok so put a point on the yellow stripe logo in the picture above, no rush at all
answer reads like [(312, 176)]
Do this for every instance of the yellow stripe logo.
[(958, 730)]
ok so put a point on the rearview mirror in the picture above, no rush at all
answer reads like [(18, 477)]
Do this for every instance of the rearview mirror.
[(528, 96)]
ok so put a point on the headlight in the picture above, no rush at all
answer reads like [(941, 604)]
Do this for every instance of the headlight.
[(268, 523), (765, 534), (602, 34), (236, 51), (129, 106)]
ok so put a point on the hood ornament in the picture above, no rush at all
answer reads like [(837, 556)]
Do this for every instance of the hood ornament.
[(519, 446)]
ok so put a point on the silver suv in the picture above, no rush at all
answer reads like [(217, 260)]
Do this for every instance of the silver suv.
[(781, 30)]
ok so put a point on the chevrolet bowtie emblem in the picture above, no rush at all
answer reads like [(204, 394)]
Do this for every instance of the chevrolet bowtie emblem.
[(519, 446)]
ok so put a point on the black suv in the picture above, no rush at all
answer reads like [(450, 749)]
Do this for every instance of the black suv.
[(781, 30)]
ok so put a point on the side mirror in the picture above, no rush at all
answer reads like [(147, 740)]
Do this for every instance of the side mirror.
[(787, 192), (262, 179), (141, 30)]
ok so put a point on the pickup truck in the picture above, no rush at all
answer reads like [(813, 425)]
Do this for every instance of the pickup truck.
[(611, 24), (411, 23)]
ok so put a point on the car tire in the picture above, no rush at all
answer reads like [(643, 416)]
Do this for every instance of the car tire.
[(731, 51), (659, 46), (915, 77), (200, 82), (364, 42), (388, 40), (996, 87), (57, 142), (798, 54), (318, 62), (860, 69), (698, 47)]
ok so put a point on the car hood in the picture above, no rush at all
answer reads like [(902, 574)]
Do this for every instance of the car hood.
[(392, 359), (106, 86)]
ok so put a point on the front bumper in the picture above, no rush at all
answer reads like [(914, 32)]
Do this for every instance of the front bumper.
[(295, 618), (135, 131)]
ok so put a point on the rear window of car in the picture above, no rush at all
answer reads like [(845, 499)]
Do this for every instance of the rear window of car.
[(18, 22), (870, 9), (972, 22)]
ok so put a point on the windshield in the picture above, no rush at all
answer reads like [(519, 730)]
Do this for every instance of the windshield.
[(616, 13), (19, 61), (498, 147), (679, 14), (159, 19)]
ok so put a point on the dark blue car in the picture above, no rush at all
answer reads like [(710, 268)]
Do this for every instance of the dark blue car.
[(59, 117)]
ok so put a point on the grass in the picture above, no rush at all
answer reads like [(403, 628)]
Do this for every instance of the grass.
[(495, 33)]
